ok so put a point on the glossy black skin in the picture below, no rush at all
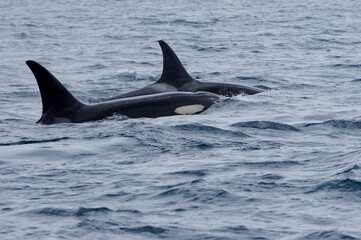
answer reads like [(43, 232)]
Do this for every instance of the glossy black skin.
[(60, 106), (223, 89), (175, 78), (152, 106)]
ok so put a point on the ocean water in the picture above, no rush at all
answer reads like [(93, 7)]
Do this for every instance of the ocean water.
[(283, 164)]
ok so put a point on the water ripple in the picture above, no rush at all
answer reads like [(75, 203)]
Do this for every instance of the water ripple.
[(81, 212), (145, 229), (200, 128), (344, 185), (24, 142), (347, 124), (265, 125), (197, 173), (329, 235)]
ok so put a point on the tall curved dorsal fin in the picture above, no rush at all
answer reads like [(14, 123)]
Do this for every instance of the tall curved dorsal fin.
[(53, 93), (173, 71)]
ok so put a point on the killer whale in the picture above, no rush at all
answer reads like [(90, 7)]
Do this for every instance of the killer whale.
[(60, 106), (175, 78)]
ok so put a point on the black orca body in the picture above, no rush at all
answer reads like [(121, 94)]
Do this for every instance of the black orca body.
[(176, 78), (60, 106)]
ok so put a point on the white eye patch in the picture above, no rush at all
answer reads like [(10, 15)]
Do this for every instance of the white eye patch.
[(189, 109)]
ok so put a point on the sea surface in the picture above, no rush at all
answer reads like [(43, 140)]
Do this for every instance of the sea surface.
[(283, 164)]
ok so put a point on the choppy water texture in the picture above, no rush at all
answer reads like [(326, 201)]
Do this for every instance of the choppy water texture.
[(283, 164)]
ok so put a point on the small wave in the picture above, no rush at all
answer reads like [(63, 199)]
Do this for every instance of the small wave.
[(256, 51), (136, 212), (273, 185), (175, 192), (23, 142), (196, 24), (202, 145), (55, 212), (214, 74), (199, 128), (348, 124), (145, 229), (263, 87), (96, 66), (271, 177), (266, 34), (237, 229), (276, 164), (351, 169), (265, 125), (98, 225), (209, 196), (347, 65), (66, 212), (345, 185), (197, 173), (21, 35), (356, 80), (251, 78), (183, 21), (115, 37), (256, 79), (90, 225), (133, 76), (334, 41), (87, 211), (113, 195), (211, 49), (202, 195), (324, 40), (126, 75), (29, 25), (327, 235)]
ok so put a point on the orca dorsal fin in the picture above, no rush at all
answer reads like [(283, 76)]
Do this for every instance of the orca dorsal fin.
[(53, 93), (173, 71)]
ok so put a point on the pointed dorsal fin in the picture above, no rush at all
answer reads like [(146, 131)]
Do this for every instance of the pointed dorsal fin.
[(173, 71), (53, 93)]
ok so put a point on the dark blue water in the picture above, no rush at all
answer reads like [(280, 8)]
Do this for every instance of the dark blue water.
[(283, 164)]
